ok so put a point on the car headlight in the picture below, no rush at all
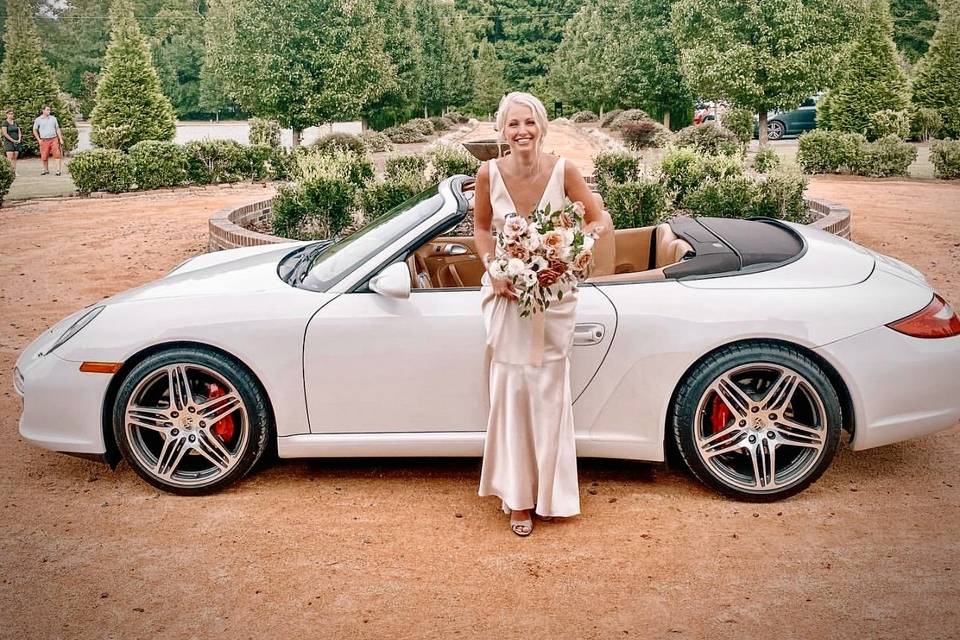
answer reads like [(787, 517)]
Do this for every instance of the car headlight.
[(75, 328)]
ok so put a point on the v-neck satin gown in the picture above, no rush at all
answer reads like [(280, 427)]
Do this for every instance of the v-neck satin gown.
[(529, 457)]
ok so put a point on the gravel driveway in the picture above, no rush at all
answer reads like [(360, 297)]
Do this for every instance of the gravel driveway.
[(404, 548)]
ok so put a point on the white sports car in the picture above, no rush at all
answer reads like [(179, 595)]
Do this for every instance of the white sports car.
[(744, 346)]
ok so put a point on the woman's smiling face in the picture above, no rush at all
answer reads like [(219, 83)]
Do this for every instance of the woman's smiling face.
[(521, 129)]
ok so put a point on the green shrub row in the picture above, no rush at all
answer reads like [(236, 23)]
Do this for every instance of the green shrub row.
[(945, 156), (823, 151), (6, 177)]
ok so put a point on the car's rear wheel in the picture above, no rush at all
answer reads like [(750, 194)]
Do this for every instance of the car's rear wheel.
[(775, 130), (190, 420), (757, 422)]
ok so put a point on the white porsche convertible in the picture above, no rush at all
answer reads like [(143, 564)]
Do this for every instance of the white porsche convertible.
[(745, 346)]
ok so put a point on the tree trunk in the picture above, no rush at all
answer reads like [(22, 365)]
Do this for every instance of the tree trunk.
[(762, 126), (295, 136), (666, 118), (425, 114)]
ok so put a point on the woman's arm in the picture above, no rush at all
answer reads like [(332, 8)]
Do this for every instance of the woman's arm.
[(483, 216), (7, 135), (579, 191)]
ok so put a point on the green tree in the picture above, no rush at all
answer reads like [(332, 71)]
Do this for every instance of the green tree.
[(759, 54), (648, 59), (448, 66), (870, 78), (130, 104), (300, 62), (27, 83), (584, 71), (490, 84), (937, 84), (913, 24), (405, 50), (175, 33)]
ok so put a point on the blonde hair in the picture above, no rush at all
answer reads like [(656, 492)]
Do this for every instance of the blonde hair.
[(526, 99)]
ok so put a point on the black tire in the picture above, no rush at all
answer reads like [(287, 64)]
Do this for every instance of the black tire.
[(776, 130), (232, 371), (683, 417)]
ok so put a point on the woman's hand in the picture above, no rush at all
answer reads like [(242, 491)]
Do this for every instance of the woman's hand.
[(503, 288), (592, 228)]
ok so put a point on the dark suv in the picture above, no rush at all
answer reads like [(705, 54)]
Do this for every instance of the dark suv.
[(791, 123)]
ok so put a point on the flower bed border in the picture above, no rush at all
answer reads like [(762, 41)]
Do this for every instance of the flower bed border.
[(227, 226)]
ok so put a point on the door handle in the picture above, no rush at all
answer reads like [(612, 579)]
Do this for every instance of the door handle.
[(588, 333)]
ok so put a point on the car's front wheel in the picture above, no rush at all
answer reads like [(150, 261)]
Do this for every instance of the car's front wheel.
[(757, 422), (776, 130), (190, 420)]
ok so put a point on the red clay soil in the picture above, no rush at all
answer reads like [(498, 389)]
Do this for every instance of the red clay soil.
[(405, 548)]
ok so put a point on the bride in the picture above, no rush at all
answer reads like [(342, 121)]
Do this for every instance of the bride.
[(530, 458)]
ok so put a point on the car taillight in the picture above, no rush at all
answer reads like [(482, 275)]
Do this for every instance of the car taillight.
[(936, 320)]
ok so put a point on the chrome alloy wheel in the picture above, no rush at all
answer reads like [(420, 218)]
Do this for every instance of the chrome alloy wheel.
[(186, 424), (760, 427)]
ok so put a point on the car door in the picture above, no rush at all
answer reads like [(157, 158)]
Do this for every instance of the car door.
[(378, 364), (804, 117)]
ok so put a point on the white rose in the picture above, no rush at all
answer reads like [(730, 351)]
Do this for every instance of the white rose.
[(495, 267), (514, 226), (569, 234), (588, 242), (515, 267)]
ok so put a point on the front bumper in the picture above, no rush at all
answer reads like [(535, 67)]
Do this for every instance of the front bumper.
[(901, 387), (63, 407)]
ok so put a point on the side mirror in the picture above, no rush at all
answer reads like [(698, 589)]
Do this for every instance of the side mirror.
[(393, 282)]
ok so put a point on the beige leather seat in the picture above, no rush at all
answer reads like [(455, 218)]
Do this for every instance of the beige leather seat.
[(670, 247)]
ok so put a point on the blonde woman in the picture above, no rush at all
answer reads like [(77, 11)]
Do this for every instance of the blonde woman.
[(530, 458)]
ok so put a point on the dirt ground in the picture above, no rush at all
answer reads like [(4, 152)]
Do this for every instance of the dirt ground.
[(404, 548)]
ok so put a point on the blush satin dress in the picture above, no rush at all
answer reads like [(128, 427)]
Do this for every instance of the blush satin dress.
[(530, 456)]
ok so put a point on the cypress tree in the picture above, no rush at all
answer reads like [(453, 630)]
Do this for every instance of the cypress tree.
[(937, 84), (870, 78), (130, 105), (27, 83)]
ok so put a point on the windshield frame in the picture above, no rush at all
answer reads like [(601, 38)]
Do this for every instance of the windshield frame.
[(348, 276)]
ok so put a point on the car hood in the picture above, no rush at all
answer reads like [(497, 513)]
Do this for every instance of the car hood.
[(245, 270)]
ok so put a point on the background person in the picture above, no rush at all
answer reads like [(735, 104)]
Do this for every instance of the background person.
[(46, 129), (12, 137)]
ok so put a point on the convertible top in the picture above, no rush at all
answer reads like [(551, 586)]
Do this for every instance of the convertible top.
[(725, 246)]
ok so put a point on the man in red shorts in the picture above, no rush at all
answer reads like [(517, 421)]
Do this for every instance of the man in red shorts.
[(46, 129)]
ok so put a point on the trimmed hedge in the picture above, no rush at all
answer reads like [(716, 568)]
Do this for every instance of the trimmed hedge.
[(445, 160), (641, 202), (684, 168), (404, 134), (822, 151), (630, 115), (264, 132), (456, 117), (215, 161), (423, 125), (614, 167), (101, 170), (766, 160), (888, 122), (709, 137), (333, 142), (442, 123), (355, 167), (609, 117), (7, 175), (379, 197), (375, 141), (320, 205), (158, 164), (739, 121), (779, 195), (945, 156), (644, 134), (584, 116), (414, 164)]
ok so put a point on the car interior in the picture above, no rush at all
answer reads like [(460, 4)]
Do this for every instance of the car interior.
[(620, 255)]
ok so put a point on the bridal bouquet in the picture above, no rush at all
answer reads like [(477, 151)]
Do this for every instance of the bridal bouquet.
[(544, 257)]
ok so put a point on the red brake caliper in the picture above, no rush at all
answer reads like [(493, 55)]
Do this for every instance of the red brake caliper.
[(719, 415), (224, 427)]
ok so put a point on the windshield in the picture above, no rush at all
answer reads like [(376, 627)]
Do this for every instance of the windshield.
[(340, 259)]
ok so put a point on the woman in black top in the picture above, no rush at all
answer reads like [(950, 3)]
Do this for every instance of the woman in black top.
[(12, 136)]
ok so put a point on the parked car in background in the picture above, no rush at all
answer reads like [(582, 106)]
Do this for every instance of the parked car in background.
[(790, 123)]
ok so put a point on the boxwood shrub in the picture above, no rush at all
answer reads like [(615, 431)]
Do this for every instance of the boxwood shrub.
[(645, 134), (584, 116), (945, 156), (158, 164), (333, 142), (638, 203), (609, 117), (445, 160), (709, 137), (614, 167), (414, 164), (730, 197), (780, 195), (101, 170), (888, 122), (823, 151), (375, 141), (630, 115), (404, 135), (889, 156), (379, 197), (6, 177), (320, 205), (216, 161), (739, 121), (423, 125), (766, 160)]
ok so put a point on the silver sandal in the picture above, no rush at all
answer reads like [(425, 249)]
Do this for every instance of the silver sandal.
[(522, 528)]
